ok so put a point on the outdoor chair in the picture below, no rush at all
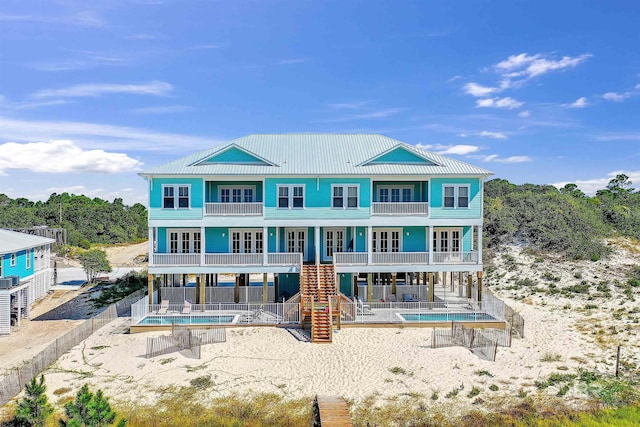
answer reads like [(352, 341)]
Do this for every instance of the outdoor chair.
[(408, 298), (362, 307), (186, 309), (164, 306)]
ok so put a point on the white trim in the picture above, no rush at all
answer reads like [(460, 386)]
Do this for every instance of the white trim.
[(27, 262), (392, 187), (456, 188), (290, 195), (345, 196), (176, 196), (323, 246), (14, 259), (436, 247), (305, 248)]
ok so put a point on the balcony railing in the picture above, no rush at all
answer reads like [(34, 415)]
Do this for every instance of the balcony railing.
[(399, 208), (233, 209), (176, 259), (400, 257), (455, 257), (223, 259), (350, 258)]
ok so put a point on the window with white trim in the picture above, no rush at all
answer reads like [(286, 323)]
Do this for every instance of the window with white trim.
[(247, 241), (28, 260), (290, 196), (237, 194), (14, 259), (344, 196), (392, 194), (176, 196), (455, 196)]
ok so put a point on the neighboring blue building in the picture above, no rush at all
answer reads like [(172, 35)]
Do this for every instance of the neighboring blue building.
[(375, 208), (25, 275)]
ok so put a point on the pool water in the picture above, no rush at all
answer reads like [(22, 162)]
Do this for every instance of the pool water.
[(445, 317), (187, 320)]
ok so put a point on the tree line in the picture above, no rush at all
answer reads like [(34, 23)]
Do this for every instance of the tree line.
[(87, 220), (561, 220)]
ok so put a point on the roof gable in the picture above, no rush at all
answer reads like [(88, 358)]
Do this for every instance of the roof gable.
[(234, 155), (399, 155)]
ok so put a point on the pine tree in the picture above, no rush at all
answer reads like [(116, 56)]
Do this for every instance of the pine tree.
[(90, 410), (34, 408)]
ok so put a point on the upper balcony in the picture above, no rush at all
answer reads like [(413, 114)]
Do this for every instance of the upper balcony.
[(400, 198), (233, 209), (400, 208), (235, 198)]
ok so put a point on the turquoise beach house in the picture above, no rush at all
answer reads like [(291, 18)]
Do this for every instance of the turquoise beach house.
[(374, 212), (25, 275)]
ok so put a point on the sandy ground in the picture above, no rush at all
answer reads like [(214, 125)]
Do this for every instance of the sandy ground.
[(562, 334), (64, 303)]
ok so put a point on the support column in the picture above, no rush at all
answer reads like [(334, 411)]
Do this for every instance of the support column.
[(354, 285), (479, 286), (430, 243), (480, 246), (276, 286), (337, 283), (150, 285), (265, 246), (431, 290), (203, 246), (197, 298), (236, 292), (317, 244), (152, 244), (460, 288), (265, 288), (203, 294), (418, 279), (369, 287), (469, 284), (394, 288), (369, 245)]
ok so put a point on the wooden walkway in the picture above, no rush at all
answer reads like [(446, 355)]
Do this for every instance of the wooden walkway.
[(333, 412)]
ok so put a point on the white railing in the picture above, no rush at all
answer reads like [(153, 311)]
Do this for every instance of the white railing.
[(392, 312), (284, 258), (385, 292), (233, 209), (233, 259), (350, 258), (139, 309), (220, 294), (400, 258), (399, 208), (455, 257), (176, 259)]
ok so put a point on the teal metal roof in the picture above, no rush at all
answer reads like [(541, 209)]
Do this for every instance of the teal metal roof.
[(315, 154), (12, 241)]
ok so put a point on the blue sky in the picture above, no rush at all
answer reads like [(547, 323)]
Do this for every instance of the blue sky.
[(93, 92)]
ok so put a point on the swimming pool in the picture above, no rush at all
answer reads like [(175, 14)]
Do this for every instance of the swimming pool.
[(210, 319), (445, 317)]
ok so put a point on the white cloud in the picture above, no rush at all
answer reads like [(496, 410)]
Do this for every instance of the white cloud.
[(94, 135), (529, 66), (155, 88), (63, 157), (478, 90), (485, 134), (449, 149), (579, 103), (350, 105), (526, 113), (591, 186), (614, 96), (292, 61), (506, 102), (366, 115), (496, 158), (167, 109)]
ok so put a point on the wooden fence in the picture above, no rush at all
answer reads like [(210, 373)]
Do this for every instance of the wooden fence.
[(13, 381)]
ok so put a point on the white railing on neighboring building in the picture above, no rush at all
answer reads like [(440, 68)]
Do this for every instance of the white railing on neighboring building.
[(233, 209), (455, 257), (400, 258), (399, 208), (350, 258), (176, 259)]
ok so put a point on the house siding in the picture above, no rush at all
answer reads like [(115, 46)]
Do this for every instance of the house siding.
[(195, 199), (437, 211)]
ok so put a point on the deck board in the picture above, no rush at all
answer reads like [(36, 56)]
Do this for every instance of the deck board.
[(333, 412)]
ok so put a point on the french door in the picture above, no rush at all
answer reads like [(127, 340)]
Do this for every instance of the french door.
[(386, 240), (296, 241), (449, 242), (185, 242), (247, 241), (333, 242)]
